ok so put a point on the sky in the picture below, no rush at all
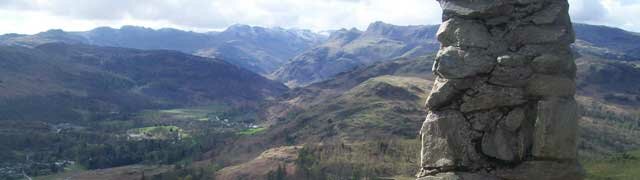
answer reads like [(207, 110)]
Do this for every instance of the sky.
[(33, 16)]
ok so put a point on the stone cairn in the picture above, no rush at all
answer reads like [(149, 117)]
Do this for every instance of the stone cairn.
[(502, 105)]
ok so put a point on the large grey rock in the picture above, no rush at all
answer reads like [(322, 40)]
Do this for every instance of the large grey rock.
[(513, 120), (551, 86), (522, 12), (532, 34), (444, 90), (488, 96), (502, 144), (547, 170), (463, 33), (455, 63), (513, 60), (554, 64), (511, 71), (556, 129), (474, 8), (511, 76), (484, 120), (541, 49), (446, 141), (530, 1), (504, 141), (549, 14)]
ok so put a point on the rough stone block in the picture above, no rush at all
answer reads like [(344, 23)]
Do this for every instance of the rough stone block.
[(541, 49), (501, 144), (549, 14), (475, 8), (513, 60), (551, 86), (511, 76), (556, 129), (463, 33), (488, 96), (444, 90), (513, 120), (554, 64), (446, 141), (454, 63), (543, 34), (484, 120)]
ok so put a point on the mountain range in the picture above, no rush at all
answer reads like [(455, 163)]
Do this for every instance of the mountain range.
[(353, 107), (250, 47), (347, 49), (367, 116), (613, 43), (301, 57)]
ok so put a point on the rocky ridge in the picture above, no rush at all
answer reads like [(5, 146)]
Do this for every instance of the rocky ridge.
[(502, 105), (250, 47), (346, 50)]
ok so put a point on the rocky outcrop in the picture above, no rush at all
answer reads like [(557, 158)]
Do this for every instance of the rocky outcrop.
[(502, 106)]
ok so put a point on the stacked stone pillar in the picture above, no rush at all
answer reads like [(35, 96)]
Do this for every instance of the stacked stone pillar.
[(502, 106)]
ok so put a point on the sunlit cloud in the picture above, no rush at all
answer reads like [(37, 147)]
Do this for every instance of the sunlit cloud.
[(24, 16)]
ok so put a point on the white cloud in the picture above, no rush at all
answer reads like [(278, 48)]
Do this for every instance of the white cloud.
[(40, 15), (32, 16), (617, 13), (622, 13), (587, 10)]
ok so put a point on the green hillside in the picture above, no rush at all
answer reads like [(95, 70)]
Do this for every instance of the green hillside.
[(364, 124), (101, 107), (361, 122), (115, 113), (622, 166)]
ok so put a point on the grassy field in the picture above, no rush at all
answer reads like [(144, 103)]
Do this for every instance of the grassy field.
[(204, 113), (622, 166), (252, 131)]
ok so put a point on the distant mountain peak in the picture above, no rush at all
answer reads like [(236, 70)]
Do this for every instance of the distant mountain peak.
[(103, 28), (380, 28), (349, 48), (239, 27), (53, 32), (345, 34), (132, 27), (379, 25)]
